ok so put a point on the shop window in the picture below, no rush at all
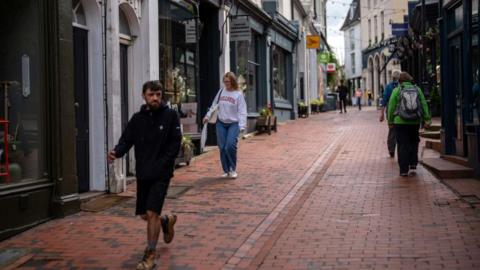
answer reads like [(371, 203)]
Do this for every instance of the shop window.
[(279, 73), (247, 68), (21, 91), (178, 42)]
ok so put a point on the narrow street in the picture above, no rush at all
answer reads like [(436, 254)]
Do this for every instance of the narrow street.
[(322, 193)]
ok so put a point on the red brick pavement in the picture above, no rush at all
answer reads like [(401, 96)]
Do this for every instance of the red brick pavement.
[(319, 194)]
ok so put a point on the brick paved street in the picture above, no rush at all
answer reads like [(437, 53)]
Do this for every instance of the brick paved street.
[(321, 193)]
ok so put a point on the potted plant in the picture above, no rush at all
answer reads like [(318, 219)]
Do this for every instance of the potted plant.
[(266, 121), (302, 110), (186, 150), (316, 105)]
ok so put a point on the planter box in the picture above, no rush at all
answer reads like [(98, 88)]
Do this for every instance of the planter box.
[(267, 124), (303, 111)]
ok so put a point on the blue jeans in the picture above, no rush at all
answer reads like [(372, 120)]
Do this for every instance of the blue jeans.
[(227, 138)]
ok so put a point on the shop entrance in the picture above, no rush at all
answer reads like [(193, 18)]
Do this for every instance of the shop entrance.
[(455, 51), (80, 50)]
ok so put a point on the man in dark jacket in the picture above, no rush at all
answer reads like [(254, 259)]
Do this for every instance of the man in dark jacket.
[(155, 133), (342, 97)]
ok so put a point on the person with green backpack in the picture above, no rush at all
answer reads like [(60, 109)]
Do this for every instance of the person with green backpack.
[(407, 109)]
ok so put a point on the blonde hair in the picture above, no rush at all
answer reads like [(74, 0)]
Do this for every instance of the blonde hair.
[(233, 79)]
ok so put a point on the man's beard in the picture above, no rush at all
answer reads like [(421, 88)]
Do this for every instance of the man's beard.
[(154, 105)]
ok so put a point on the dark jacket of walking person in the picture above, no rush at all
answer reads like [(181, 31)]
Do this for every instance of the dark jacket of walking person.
[(391, 140), (407, 130), (155, 133), (231, 121), (342, 97)]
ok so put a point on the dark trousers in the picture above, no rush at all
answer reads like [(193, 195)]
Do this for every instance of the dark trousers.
[(359, 102), (407, 143), (343, 102), (392, 140)]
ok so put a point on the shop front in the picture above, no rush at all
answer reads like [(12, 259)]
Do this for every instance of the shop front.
[(37, 132), (179, 69), (248, 56), (459, 32), (283, 37)]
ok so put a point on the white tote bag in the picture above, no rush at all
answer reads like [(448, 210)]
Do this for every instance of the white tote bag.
[(214, 110)]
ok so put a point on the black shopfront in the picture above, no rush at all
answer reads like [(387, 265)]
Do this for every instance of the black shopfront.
[(189, 58), (460, 81), (38, 175)]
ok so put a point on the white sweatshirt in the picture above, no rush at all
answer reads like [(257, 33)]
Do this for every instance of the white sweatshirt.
[(231, 108)]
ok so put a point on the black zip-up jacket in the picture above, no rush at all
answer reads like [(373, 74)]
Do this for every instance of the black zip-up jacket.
[(157, 138)]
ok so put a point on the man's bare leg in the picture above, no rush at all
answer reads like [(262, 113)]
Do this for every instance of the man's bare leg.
[(153, 229)]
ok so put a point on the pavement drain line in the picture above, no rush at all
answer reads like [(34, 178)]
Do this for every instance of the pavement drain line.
[(329, 154)]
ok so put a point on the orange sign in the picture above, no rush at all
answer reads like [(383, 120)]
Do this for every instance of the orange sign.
[(313, 42)]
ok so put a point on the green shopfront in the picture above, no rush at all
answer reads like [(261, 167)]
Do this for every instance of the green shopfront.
[(37, 132), (460, 73)]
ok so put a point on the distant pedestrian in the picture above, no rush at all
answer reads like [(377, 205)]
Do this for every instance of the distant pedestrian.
[(231, 121), (407, 109), (358, 95), (155, 133), (342, 96), (392, 140), (369, 97)]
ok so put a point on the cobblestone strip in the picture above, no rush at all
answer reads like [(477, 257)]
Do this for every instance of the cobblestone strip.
[(329, 155)]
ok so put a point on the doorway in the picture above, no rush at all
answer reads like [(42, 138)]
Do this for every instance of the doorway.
[(124, 93), (80, 50), (456, 53)]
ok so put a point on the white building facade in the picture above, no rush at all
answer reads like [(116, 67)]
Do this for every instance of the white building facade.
[(376, 28), (353, 49)]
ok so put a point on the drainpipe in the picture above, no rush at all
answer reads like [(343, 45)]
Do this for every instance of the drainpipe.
[(105, 91)]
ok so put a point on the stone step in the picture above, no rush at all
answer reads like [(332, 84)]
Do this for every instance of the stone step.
[(467, 188), (430, 134), (456, 159), (446, 169), (434, 127), (434, 145)]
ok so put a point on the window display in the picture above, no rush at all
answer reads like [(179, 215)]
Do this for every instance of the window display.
[(21, 91), (178, 52), (279, 73)]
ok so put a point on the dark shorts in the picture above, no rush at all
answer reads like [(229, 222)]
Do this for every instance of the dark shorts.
[(151, 195)]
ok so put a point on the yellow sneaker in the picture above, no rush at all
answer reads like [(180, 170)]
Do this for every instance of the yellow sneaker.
[(148, 261)]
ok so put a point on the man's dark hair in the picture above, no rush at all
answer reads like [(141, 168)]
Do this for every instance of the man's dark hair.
[(152, 85)]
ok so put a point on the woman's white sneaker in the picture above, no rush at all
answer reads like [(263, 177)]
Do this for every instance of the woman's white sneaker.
[(225, 175)]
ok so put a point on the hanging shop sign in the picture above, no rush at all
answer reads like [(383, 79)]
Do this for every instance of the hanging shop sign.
[(323, 57), (190, 31), (240, 29), (331, 67), (313, 42)]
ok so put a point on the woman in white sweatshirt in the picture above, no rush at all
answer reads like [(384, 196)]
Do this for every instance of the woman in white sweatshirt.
[(232, 119)]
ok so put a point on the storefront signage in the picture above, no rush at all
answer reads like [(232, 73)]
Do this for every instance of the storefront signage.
[(323, 57), (331, 67), (190, 31), (313, 42), (240, 29)]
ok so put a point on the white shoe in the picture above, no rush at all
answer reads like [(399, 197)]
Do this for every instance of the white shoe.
[(233, 174), (225, 175)]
